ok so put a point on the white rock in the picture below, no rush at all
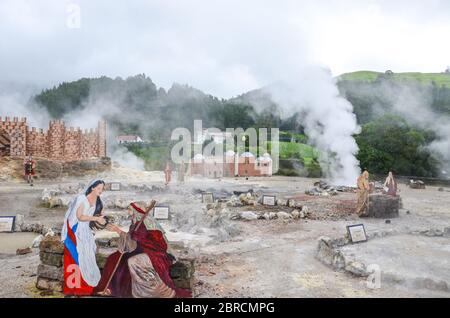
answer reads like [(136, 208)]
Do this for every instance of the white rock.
[(18, 222), (283, 215), (37, 241), (295, 214), (50, 232), (272, 215), (55, 202), (248, 215)]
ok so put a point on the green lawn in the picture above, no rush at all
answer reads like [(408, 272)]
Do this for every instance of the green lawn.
[(425, 78)]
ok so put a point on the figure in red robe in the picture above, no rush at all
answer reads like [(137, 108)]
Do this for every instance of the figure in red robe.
[(143, 264)]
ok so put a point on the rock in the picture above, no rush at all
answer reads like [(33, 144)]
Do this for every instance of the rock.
[(266, 216), (182, 273), (302, 215), (52, 244), (283, 215), (47, 194), (416, 184), (18, 223), (295, 214), (48, 232), (23, 251), (54, 203), (247, 199), (313, 191), (211, 212), (447, 232), (50, 272), (356, 268), (51, 259), (305, 209), (225, 211), (248, 215), (433, 233), (48, 284), (272, 215), (37, 241), (282, 202), (327, 254)]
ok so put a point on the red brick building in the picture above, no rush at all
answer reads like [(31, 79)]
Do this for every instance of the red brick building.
[(59, 143), (231, 165)]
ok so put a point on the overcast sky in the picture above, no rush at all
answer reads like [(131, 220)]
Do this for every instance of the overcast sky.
[(222, 47)]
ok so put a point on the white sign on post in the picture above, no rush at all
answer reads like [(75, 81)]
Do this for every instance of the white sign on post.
[(207, 197), (161, 212), (357, 233), (269, 200), (7, 223)]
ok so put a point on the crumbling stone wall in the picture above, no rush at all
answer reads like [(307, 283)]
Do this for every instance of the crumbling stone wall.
[(59, 143)]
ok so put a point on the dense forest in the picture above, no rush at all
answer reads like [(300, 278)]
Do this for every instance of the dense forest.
[(388, 141)]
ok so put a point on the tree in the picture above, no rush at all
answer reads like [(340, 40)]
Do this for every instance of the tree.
[(391, 144)]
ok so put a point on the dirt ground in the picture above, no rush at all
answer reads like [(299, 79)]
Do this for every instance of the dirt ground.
[(273, 258)]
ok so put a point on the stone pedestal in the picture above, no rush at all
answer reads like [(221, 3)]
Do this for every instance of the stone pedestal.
[(383, 206)]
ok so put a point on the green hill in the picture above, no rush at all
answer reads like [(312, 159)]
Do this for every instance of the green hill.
[(425, 78)]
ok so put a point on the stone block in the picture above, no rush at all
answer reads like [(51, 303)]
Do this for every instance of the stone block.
[(50, 272), (383, 206), (49, 284), (51, 259), (182, 273), (52, 245)]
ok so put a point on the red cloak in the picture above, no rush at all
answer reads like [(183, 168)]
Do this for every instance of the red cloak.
[(150, 242)]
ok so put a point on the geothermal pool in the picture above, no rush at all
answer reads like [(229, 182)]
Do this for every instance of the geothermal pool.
[(10, 242)]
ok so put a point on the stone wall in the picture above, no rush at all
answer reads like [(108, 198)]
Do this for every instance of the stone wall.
[(58, 143)]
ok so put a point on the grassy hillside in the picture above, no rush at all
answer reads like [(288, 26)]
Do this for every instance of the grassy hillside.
[(425, 78)]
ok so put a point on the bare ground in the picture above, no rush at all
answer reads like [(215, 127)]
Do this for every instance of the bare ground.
[(268, 259)]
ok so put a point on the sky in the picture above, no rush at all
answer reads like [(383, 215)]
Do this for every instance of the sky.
[(224, 48)]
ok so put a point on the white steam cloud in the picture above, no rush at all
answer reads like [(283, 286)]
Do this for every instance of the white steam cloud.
[(415, 106), (328, 119), (17, 102), (99, 107)]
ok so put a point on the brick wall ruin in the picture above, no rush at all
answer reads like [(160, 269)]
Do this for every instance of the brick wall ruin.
[(59, 143)]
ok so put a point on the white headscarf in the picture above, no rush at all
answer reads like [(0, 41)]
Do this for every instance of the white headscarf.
[(73, 206)]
